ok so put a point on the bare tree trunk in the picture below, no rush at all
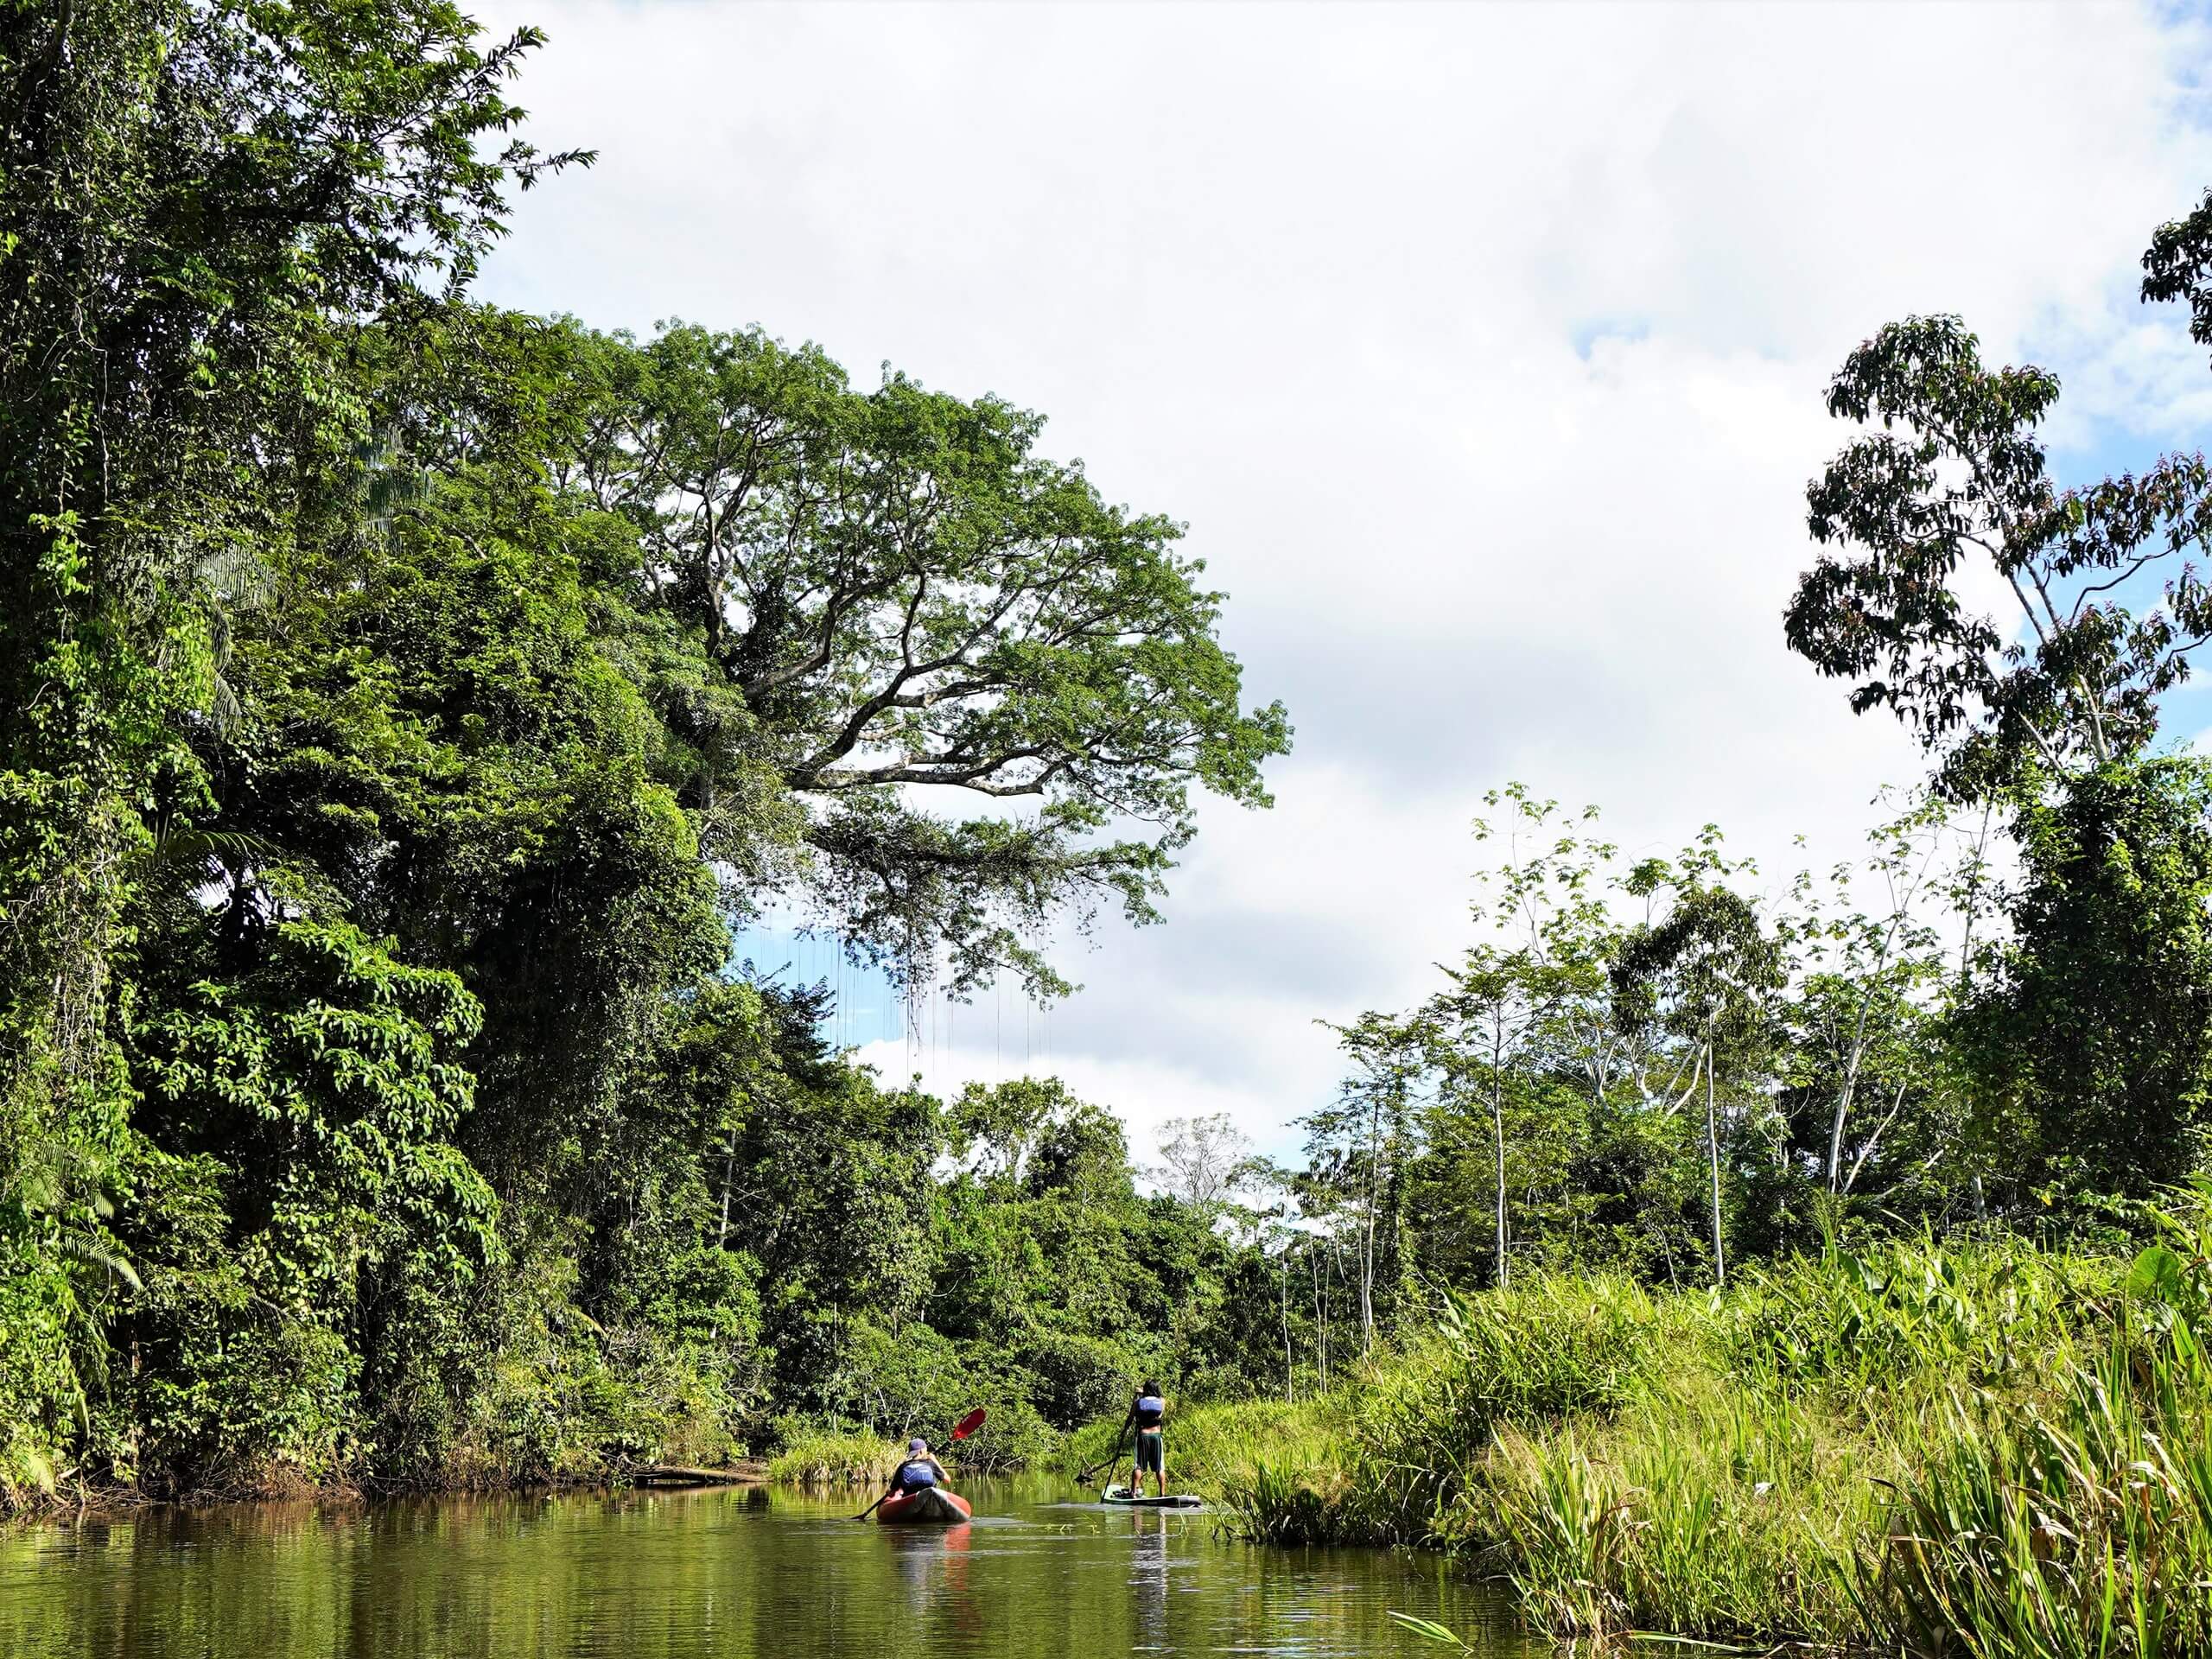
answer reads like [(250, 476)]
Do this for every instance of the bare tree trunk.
[(1289, 1388), (730, 1166), (1974, 897), (1713, 1151), (1497, 1132), (1874, 1141), (1367, 1237), (1391, 1249), (1320, 1325), (1850, 1087)]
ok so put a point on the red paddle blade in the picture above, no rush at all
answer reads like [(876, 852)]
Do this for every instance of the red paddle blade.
[(968, 1424)]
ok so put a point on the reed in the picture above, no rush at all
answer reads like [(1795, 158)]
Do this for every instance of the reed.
[(1985, 1448), (817, 1456)]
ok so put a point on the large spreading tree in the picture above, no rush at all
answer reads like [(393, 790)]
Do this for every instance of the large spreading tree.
[(994, 691)]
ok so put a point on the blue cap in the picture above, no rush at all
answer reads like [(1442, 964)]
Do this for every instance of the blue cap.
[(917, 1445)]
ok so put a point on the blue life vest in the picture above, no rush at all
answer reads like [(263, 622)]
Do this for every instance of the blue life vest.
[(915, 1474), (1150, 1409)]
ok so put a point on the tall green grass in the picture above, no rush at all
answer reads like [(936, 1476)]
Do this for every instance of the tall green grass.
[(1981, 1450), (812, 1455), (2084, 1530), (1206, 1444)]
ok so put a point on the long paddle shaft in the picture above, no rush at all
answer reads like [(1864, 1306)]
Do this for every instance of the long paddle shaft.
[(961, 1431), (1118, 1463), (1113, 1457), (1110, 1464)]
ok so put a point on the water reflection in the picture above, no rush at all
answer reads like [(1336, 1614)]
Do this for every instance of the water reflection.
[(699, 1575), (1148, 1578), (933, 1564)]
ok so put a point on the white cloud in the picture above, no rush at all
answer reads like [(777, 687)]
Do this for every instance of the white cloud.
[(1482, 347)]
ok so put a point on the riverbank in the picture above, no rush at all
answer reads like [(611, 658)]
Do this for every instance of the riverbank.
[(1883, 1449), (110, 1501), (1878, 1449)]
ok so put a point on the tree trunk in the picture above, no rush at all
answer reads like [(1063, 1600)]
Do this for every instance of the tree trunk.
[(1390, 1258), (729, 1167), (1713, 1151), (1972, 898), (1497, 1132), (1320, 1325), (1844, 1094), (1367, 1236)]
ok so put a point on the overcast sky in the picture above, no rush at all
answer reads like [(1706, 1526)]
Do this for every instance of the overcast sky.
[(1481, 347)]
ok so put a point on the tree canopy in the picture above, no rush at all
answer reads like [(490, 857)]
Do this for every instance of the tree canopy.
[(1956, 480), (407, 706), (402, 705)]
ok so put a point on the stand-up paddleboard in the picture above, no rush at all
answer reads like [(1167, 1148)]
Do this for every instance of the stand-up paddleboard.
[(1127, 1499), (929, 1503)]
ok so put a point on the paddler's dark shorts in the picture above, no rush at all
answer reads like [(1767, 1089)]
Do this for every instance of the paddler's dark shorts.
[(1152, 1451)]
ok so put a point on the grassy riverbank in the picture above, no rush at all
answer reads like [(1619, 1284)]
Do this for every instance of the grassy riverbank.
[(1871, 1449), (833, 1457)]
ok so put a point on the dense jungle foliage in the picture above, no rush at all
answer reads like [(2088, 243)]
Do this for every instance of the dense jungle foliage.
[(405, 705)]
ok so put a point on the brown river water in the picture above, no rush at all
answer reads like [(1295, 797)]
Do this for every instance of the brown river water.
[(712, 1575)]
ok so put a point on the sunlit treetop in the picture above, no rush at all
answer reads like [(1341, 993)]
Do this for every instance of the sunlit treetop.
[(1954, 489), (995, 689)]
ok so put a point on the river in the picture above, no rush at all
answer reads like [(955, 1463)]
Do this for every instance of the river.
[(720, 1573)]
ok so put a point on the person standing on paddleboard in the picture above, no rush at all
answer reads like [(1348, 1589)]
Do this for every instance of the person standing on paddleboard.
[(1149, 1414)]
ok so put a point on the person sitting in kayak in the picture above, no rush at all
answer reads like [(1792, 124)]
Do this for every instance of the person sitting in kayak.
[(1148, 1414), (920, 1470)]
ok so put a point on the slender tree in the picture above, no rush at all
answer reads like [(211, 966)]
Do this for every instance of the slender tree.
[(1704, 972)]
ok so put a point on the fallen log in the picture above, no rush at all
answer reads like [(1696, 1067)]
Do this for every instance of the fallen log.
[(678, 1474)]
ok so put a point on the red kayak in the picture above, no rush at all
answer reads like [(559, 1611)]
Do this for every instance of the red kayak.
[(930, 1504)]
